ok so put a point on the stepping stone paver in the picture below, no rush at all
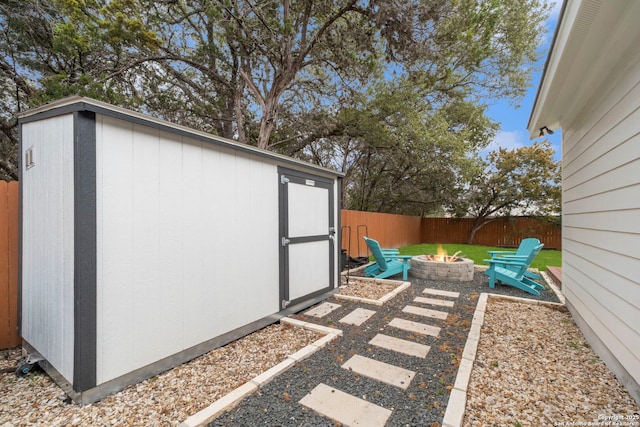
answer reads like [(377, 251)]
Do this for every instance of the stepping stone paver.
[(434, 301), (322, 310), (358, 316), (426, 312), (416, 327), (380, 371), (401, 346), (345, 408), (441, 293)]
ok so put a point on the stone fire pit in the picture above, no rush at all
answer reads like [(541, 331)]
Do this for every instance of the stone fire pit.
[(460, 270)]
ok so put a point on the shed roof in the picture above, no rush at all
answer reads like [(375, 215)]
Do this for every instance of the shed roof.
[(590, 39), (81, 103)]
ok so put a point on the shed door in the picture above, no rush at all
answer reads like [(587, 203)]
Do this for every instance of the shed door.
[(306, 236)]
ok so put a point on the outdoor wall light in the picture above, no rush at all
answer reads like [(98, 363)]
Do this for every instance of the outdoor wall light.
[(542, 129)]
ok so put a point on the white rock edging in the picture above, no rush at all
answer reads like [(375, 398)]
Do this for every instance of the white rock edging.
[(454, 414), (380, 301), (230, 400)]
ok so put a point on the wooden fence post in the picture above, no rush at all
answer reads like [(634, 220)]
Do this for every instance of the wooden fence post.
[(9, 265)]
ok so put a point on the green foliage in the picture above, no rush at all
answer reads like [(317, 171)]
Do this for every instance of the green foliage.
[(522, 181), (401, 153), (478, 253), (393, 94), (55, 48)]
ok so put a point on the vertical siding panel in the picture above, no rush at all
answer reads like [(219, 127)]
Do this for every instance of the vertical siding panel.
[(100, 248), (220, 182), (47, 292), (67, 246), (241, 208), (255, 180), (116, 318), (262, 214), (170, 231), (223, 206), (215, 253), (192, 257), (148, 308)]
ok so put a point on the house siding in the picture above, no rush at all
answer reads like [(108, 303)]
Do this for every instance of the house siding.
[(601, 231)]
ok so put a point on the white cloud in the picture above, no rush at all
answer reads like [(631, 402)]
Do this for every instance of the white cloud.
[(508, 140)]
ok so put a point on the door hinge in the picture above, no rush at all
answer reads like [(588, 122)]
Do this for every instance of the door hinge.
[(283, 179), (285, 241), (285, 303)]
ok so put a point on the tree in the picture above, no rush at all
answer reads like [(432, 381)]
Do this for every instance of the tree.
[(399, 153), (245, 69), (522, 181), (54, 48), (241, 67), (13, 89), (412, 162)]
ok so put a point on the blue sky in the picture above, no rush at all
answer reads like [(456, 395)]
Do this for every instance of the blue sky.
[(513, 121)]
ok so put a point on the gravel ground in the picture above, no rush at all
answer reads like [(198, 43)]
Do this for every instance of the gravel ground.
[(164, 400), (169, 398), (422, 404), (534, 368), (357, 287)]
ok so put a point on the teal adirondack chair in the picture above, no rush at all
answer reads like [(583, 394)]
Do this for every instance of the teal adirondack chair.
[(388, 254), (386, 266), (514, 275), (526, 246)]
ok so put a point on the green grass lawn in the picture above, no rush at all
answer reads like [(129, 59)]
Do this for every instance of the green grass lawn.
[(477, 253)]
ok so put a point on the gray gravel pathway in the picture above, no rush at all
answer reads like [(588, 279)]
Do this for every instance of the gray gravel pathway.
[(422, 403)]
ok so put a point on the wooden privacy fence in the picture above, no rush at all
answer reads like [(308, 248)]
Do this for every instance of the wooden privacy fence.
[(9, 264), (498, 232), (394, 231)]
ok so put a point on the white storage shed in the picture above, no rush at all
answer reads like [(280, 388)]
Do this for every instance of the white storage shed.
[(145, 244)]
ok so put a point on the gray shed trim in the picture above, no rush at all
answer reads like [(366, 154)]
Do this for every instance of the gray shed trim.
[(85, 264), (80, 103), (282, 196)]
